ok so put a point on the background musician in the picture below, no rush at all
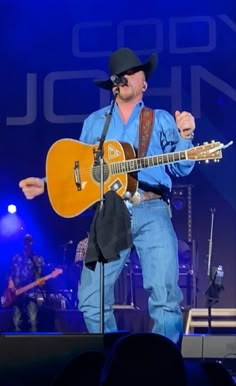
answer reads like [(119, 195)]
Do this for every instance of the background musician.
[(25, 268)]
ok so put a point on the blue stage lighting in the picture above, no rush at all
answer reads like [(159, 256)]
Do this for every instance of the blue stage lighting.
[(11, 208)]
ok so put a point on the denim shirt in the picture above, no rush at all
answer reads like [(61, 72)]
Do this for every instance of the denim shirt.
[(165, 139)]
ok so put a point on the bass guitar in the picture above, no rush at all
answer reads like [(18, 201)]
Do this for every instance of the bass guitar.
[(73, 180), (9, 296)]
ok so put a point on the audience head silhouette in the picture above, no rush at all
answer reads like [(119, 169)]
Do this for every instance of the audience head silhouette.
[(144, 359)]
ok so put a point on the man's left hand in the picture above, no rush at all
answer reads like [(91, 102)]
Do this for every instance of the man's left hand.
[(186, 124)]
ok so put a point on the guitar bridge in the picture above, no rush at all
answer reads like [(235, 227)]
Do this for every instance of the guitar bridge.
[(77, 176)]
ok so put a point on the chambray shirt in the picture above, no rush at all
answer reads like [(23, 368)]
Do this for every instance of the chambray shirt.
[(165, 139)]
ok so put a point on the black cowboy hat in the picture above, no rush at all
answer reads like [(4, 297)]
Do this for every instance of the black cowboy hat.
[(123, 60)]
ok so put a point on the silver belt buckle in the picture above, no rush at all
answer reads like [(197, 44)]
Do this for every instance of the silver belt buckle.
[(136, 198)]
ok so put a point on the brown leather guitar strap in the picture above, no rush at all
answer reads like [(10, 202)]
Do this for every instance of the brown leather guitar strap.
[(146, 121)]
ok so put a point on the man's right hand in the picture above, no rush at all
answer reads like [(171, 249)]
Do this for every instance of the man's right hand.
[(32, 187)]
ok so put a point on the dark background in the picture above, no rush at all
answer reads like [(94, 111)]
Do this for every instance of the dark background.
[(68, 43)]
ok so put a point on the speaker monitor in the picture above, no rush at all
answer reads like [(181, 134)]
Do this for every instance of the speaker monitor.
[(192, 346), (221, 346), (211, 348), (208, 346), (36, 359)]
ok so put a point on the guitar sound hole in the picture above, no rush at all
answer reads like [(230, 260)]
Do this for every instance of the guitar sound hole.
[(97, 172)]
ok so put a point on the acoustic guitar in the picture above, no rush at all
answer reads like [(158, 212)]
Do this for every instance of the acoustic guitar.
[(73, 178), (9, 295)]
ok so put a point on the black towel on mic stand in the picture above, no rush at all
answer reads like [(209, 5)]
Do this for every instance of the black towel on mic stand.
[(110, 231)]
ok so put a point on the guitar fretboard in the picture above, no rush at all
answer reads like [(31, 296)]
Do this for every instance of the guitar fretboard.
[(32, 285), (141, 163)]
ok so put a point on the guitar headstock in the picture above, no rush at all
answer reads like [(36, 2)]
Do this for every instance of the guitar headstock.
[(206, 152), (56, 272)]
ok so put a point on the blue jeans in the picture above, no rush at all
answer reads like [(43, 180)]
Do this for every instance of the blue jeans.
[(29, 308), (157, 248)]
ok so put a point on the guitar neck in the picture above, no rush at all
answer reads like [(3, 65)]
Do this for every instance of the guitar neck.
[(137, 164), (27, 287)]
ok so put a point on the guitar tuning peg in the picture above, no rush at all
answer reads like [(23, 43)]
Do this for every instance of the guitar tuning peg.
[(212, 141), (205, 143)]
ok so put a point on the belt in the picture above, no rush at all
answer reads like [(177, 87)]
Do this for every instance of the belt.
[(144, 196), (150, 196)]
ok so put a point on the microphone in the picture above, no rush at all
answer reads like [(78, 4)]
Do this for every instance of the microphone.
[(70, 242), (119, 80)]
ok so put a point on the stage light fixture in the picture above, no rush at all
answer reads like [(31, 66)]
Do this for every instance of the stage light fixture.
[(11, 209)]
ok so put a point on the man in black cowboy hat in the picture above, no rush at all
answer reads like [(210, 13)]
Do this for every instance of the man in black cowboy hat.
[(152, 231)]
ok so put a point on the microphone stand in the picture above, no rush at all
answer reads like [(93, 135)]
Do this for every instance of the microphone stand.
[(65, 248), (209, 272), (64, 253), (213, 291), (99, 161), (215, 275), (210, 242)]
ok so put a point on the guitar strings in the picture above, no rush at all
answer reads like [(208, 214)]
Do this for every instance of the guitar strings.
[(119, 167)]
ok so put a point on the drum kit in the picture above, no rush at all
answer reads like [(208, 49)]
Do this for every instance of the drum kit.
[(61, 292)]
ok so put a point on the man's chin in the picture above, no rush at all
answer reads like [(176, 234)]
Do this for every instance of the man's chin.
[(126, 97)]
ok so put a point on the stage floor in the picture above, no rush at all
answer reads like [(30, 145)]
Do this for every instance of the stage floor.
[(71, 320), (36, 359), (200, 344), (63, 336)]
